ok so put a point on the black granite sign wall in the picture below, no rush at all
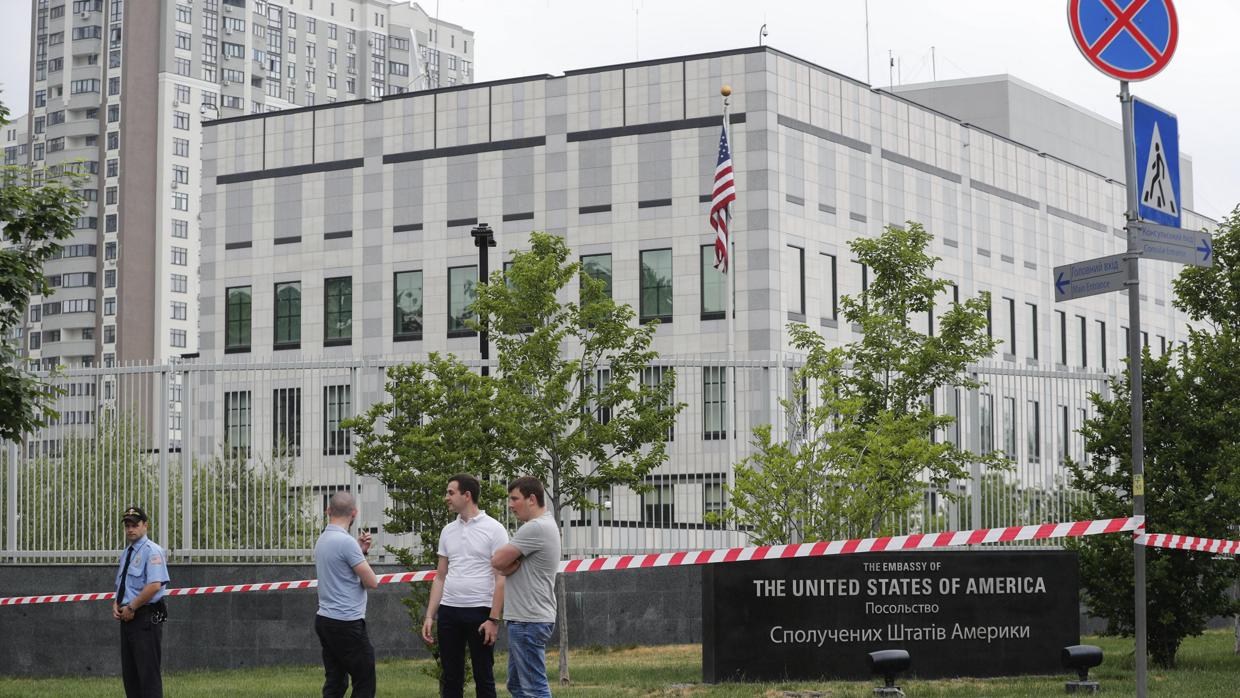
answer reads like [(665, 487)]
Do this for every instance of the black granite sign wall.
[(958, 613)]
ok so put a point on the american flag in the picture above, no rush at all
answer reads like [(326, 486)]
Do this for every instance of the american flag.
[(725, 194)]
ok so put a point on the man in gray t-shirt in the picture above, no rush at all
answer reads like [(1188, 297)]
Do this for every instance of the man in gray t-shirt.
[(344, 576), (529, 561)]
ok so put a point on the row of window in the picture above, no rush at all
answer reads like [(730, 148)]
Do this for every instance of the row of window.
[(286, 431)]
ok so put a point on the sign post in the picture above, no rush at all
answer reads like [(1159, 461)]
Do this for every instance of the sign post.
[(1134, 40)]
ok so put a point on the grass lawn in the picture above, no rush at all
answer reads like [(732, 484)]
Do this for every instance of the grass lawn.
[(1206, 668)]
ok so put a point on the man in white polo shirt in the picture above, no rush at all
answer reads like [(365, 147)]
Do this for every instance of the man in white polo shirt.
[(467, 595)]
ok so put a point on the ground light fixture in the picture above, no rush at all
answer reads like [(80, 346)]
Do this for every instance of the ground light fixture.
[(888, 663), (1081, 658)]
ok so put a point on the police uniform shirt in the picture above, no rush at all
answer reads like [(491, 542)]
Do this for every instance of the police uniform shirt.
[(147, 565)]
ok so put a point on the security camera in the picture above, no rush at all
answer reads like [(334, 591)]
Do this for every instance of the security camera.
[(889, 663), (1082, 658)]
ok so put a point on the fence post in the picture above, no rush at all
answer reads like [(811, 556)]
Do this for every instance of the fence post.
[(11, 507), (353, 398), (187, 461), (165, 519), (975, 447)]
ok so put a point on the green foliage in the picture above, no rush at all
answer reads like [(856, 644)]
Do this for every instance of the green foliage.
[(1212, 294), (439, 421), (564, 425), (72, 500), (1192, 459), (1192, 465), (853, 461), (33, 221)]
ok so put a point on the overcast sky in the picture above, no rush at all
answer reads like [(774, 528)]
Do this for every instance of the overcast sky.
[(1028, 39)]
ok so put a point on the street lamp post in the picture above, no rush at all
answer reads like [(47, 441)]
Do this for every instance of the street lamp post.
[(484, 238)]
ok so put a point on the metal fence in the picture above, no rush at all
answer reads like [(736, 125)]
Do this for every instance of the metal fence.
[(234, 462)]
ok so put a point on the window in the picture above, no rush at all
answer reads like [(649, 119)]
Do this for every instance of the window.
[(396, 68), (657, 507), (1009, 427), (109, 278), (462, 292), (714, 402), (830, 289), (986, 407), (336, 408), (338, 311), (184, 41), (652, 377), (180, 174), (180, 201), (598, 267), (180, 147), (237, 319), (1011, 338), (180, 256), (407, 306), (1084, 325), (185, 15), (179, 309), (109, 334), (109, 306), (182, 67), (1063, 336), (286, 421), (596, 384), (1033, 330), (656, 285), (180, 228), (794, 279), (1033, 432), (713, 499), (288, 315), (180, 120), (237, 423), (177, 338), (714, 285), (1065, 433), (180, 283), (114, 140), (231, 50), (78, 87)]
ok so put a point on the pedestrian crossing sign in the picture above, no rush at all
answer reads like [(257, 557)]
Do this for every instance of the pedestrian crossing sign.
[(1157, 140)]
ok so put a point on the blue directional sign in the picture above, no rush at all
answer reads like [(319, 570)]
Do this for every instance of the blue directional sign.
[(1157, 137), (1175, 244), (1091, 277)]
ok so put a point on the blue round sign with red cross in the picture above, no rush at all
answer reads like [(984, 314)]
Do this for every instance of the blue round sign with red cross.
[(1126, 39)]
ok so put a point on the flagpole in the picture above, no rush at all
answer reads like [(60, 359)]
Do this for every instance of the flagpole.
[(729, 313)]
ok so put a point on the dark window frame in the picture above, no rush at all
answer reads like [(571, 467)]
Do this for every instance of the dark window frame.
[(397, 334), (329, 312), (231, 346), (286, 317), (643, 316), (464, 330)]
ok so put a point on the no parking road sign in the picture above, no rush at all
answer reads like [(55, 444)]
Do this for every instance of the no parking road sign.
[(1126, 39)]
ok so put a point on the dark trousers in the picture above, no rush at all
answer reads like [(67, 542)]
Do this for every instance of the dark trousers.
[(347, 653), (140, 655), (458, 629)]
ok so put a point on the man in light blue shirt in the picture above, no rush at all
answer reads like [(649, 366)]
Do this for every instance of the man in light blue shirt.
[(140, 580), (344, 576)]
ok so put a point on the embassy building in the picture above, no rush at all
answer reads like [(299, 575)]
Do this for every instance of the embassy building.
[(341, 231)]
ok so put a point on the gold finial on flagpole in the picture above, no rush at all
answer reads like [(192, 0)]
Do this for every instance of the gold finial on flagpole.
[(726, 90)]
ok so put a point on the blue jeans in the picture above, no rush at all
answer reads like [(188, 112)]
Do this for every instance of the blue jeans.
[(527, 659)]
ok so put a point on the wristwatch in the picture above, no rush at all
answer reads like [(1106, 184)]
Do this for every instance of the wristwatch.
[(494, 620)]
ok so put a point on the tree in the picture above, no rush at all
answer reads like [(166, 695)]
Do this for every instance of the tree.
[(1192, 474), (35, 215), (439, 422), (582, 411), (851, 464)]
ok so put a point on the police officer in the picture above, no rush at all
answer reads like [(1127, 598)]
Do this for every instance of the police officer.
[(139, 606)]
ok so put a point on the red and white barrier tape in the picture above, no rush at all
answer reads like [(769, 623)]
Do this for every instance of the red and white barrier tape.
[(916, 541), (1174, 542)]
